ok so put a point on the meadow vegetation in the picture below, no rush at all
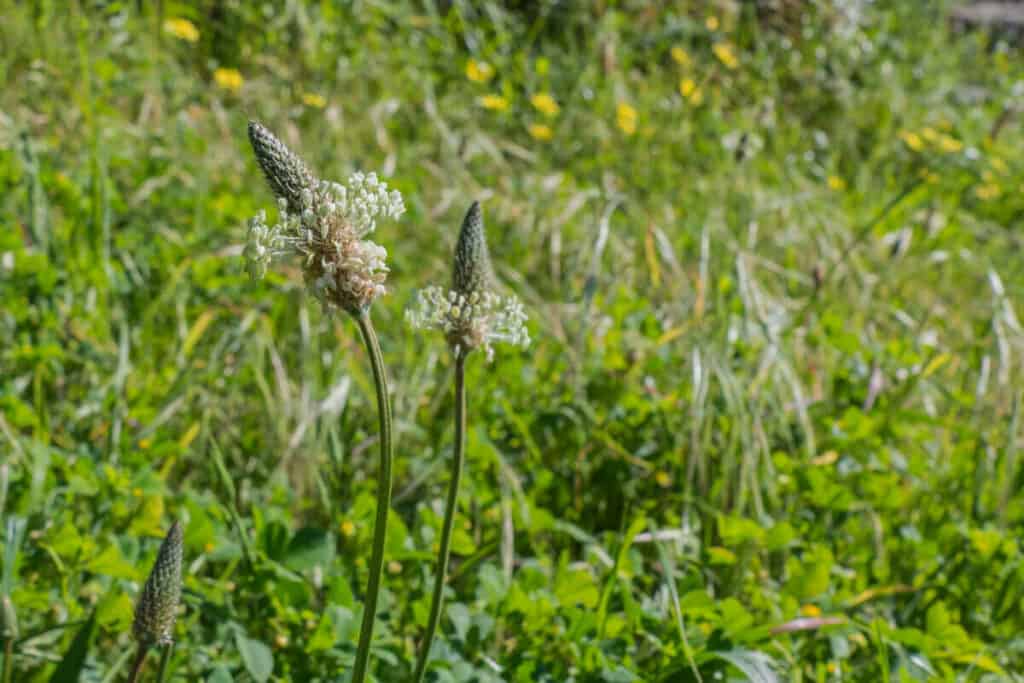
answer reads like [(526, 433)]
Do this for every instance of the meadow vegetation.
[(767, 424)]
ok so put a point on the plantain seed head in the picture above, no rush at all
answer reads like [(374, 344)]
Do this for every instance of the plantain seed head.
[(157, 607)]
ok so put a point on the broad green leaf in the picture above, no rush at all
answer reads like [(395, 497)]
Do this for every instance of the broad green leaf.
[(310, 547), (257, 657), (756, 666)]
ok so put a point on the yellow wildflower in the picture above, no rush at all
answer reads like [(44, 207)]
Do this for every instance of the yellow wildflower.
[(948, 143), (494, 102), (929, 134), (663, 478), (810, 610), (999, 165), (912, 140), (479, 72), (229, 79), (836, 183), (681, 57), (540, 132), (987, 191), (348, 529), (712, 23), (625, 116), (545, 104), (312, 99), (688, 88), (726, 54), (182, 28)]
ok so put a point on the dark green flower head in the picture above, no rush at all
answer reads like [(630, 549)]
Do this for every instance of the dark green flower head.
[(285, 172), (157, 608), (472, 272)]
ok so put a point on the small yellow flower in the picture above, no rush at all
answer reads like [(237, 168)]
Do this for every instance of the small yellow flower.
[(688, 88), (228, 79), (137, 492), (948, 143), (810, 610), (540, 132), (479, 72), (312, 99), (987, 191), (712, 23), (663, 478), (929, 134), (625, 116), (831, 667), (182, 28), (348, 529), (545, 104), (726, 54), (494, 102), (144, 444), (681, 57), (836, 183), (999, 165), (208, 547), (912, 140)]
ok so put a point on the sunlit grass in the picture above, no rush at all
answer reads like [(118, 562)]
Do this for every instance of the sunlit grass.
[(771, 408)]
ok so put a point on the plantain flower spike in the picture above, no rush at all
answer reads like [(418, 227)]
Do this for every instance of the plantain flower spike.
[(470, 314), (285, 172), (324, 224), (157, 608)]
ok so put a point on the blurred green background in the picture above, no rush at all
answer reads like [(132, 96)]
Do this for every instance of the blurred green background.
[(771, 256)]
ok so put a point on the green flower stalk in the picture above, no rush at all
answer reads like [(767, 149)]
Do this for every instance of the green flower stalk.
[(471, 316), (325, 224), (157, 608)]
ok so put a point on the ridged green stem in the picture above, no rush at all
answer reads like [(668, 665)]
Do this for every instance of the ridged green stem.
[(441, 573), (8, 659), (165, 657), (140, 659), (383, 497)]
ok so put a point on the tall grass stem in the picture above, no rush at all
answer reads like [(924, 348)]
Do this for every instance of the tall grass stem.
[(383, 496), (165, 657), (140, 659), (8, 658), (441, 573)]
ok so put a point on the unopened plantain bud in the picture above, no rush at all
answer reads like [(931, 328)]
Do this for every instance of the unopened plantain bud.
[(472, 272), (157, 608), (286, 173), (469, 314)]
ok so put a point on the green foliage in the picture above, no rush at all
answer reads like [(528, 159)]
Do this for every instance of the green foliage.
[(769, 423)]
